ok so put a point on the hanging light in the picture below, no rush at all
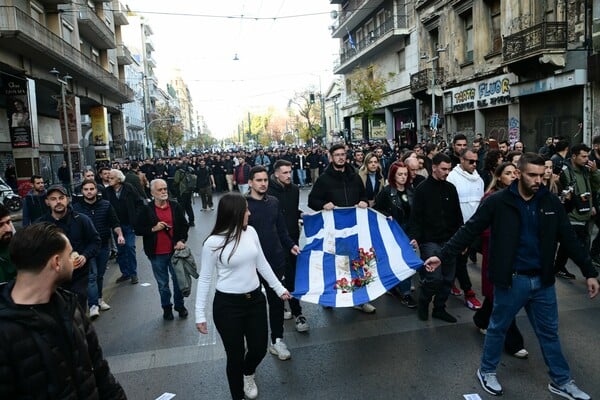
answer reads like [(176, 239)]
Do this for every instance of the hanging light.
[(236, 58)]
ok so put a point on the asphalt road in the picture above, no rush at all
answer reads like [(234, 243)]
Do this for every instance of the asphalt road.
[(346, 354)]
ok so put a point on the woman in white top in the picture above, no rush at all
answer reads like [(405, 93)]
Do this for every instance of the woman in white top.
[(239, 309)]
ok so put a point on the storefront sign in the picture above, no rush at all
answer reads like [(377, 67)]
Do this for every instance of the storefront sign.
[(99, 118), (489, 93)]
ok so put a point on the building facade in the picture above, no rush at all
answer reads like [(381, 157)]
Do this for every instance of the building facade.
[(78, 42)]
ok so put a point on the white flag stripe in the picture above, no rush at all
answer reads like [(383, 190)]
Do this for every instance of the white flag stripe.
[(397, 263), (315, 278), (343, 299)]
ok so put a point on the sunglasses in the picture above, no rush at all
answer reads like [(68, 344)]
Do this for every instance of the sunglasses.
[(471, 161)]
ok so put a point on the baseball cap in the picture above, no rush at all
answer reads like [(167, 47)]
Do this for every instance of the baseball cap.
[(59, 188)]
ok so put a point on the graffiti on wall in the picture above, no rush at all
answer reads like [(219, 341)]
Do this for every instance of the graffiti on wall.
[(514, 133), (496, 128)]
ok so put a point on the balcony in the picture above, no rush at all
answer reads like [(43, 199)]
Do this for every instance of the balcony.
[(119, 13), (124, 55), (547, 37), (25, 36), (352, 14), (55, 2), (420, 81), (377, 40), (151, 62), (149, 44), (94, 29)]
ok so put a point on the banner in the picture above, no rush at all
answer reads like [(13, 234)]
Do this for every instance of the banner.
[(352, 256), (99, 117), (18, 111)]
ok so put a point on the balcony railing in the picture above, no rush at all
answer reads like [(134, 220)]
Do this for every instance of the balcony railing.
[(396, 22), (124, 55), (119, 13), (18, 26), (422, 79), (94, 29), (534, 40)]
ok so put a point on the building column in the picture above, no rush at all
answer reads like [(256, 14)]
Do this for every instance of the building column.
[(479, 122), (514, 122), (390, 125)]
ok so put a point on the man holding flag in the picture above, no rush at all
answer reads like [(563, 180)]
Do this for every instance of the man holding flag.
[(339, 186)]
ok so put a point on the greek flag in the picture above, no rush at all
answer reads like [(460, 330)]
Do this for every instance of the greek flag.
[(333, 240), (350, 40)]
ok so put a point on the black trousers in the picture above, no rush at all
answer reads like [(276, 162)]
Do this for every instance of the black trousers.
[(275, 308), (461, 272), (290, 284), (238, 317), (185, 199), (561, 255)]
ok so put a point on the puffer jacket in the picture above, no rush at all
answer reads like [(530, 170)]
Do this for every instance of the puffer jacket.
[(45, 357)]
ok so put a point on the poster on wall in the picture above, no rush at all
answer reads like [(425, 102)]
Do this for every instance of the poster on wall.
[(18, 111), (99, 117)]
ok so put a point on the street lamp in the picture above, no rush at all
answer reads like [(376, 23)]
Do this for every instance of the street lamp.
[(64, 83), (433, 120)]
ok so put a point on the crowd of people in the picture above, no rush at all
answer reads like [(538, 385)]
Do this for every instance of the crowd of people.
[(489, 197)]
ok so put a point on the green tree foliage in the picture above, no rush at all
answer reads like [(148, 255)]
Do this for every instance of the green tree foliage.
[(368, 87), (309, 126), (166, 128)]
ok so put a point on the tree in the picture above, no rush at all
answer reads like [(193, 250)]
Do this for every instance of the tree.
[(166, 128), (368, 87), (310, 111)]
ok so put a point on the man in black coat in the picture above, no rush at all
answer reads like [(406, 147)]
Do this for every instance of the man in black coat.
[(164, 228), (48, 348), (288, 194)]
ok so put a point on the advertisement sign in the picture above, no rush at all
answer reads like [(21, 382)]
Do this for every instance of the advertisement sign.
[(99, 117), (73, 118), (18, 111)]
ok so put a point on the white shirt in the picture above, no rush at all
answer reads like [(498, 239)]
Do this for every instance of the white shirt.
[(237, 275), (469, 188)]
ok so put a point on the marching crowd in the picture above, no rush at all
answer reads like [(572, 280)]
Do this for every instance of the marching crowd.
[(525, 212)]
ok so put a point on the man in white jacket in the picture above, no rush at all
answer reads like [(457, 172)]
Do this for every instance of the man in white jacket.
[(469, 186)]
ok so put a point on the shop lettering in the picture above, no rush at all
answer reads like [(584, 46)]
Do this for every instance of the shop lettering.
[(499, 87), (465, 106), (494, 101), (464, 96)]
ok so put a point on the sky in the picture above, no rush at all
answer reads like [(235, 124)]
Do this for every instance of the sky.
[(283, 47)]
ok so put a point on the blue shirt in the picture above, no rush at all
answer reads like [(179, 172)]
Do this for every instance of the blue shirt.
[(528, 253)]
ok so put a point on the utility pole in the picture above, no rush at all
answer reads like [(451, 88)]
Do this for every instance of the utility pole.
[(64, 82)]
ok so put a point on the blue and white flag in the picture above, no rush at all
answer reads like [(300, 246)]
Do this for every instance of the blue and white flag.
[(333, 240), (350, 40)]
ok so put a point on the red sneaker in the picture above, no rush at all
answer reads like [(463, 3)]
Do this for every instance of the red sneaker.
[(471, 300), (455, 291)]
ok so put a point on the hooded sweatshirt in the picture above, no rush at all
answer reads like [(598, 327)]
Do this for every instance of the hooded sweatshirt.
[(469, 188)]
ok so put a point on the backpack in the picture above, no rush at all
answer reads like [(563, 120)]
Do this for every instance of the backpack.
[(188, 183)]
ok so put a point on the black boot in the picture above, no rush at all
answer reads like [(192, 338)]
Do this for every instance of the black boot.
[(168, 313), (183, 312)]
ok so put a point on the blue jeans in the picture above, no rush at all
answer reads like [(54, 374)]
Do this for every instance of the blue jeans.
[(126, 253), (541, 308), (161, 267), (96, 276), (301, 176)]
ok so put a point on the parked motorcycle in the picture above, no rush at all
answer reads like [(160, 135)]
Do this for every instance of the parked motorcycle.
[(10, 199)]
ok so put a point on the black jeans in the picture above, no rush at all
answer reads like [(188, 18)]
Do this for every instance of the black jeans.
[(185, 199), (435, 285), (290, 284), (561, 255), (239, 316), (275, 308), (206, 196)]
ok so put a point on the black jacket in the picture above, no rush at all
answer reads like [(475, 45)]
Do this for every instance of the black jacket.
[(103, 216), (147, 218), (126, 206), (500, 212), (342, 188), (436, 214), (42, 358), (268, 221), (289, 199), (390, 203)]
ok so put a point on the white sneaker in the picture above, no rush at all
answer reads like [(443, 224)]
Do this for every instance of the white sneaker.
[(569, 391), (287, 314), (103, 306), (302, 324), (521, 354), (366, 308), (280, 350), (250, 389), (94, 312)]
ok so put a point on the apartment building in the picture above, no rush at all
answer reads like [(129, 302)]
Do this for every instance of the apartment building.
[(78, 42), (508, 69), (379, 33)]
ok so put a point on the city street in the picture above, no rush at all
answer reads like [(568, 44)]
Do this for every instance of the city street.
[(346, 354)]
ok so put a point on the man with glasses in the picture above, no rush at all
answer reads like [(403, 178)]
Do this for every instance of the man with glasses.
[(165, 229), (339, 186), (469, 187)]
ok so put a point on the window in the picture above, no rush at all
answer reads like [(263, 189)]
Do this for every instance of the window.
[(95, 55), (495, 26), (348, 87), (37, 12), (434, 41), (111, 67), (401, 55), (467, 18), (67, 32)]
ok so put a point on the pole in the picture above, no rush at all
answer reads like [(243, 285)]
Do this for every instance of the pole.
[(433, 131), (63, 98)]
